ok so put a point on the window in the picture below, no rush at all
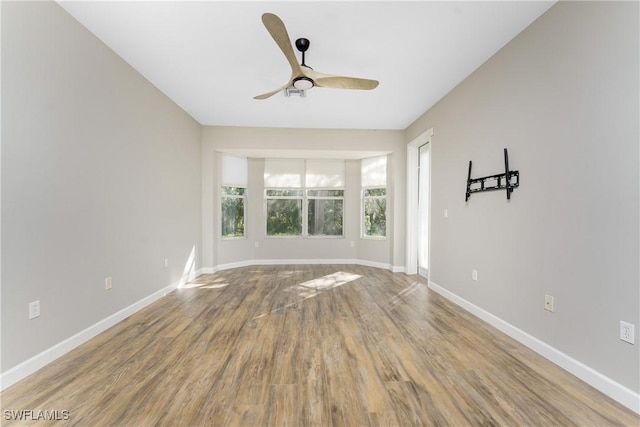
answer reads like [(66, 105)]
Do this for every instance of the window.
[(304, 198), (375, 212), (284, 212), (233, 202), (374, 197), (324, 212), (233, 196), (284, 196)]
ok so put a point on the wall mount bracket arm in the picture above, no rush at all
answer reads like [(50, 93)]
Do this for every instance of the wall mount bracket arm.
[(509, 180)]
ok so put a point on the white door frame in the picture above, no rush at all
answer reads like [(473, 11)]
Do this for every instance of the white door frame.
[(411, 237)]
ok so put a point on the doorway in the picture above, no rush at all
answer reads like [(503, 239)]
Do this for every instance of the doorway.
[(418, 216), (424, 165)]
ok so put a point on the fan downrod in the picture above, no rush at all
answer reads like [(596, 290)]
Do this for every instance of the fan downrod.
[(302, 45)]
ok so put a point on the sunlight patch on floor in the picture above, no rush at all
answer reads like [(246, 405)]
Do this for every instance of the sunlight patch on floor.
[(312, 288), (398, 298), (215, 284)]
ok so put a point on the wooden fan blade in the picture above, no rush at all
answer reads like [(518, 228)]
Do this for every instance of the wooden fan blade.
[(278, 31), (338, 82), (273, 92), (346, 83)]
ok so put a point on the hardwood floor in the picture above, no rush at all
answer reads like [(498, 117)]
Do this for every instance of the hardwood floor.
[(308, 346)]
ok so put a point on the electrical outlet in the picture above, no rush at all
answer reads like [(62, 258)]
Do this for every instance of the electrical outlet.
[(166, 262), (34, 309), (548, 302), (446, 213), (627, 332), (474, 275), (107, 283)]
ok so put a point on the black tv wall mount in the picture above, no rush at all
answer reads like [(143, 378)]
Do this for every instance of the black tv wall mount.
[(509, 180)]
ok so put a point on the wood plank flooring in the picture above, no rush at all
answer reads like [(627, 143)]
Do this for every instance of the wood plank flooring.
[(306, 345)]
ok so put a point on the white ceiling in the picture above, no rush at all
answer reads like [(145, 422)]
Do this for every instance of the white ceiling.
[(213, 57)]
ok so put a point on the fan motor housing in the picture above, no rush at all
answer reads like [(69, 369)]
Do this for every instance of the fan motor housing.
[(302, 44)]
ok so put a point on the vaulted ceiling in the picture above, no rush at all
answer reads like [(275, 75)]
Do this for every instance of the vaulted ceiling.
[(213, 57)]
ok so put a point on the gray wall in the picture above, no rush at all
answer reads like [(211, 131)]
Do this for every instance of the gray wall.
[(100, 177), (563, 98), (305, 143)]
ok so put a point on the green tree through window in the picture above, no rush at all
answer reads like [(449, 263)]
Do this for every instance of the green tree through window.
[(375, 212), (296, 212), (284, 212), (325, 212), (233, 208)]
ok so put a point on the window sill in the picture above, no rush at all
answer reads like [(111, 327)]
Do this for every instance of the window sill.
[(305, 237), (373, 237)]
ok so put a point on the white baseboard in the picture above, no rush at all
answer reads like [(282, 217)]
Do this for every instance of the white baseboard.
[(398, 269), (248, 263), (231, 265), (302, 261), (38, 361), (606, 385), (373, 264)]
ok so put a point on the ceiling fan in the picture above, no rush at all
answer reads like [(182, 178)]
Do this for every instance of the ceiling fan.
[(303, 76)]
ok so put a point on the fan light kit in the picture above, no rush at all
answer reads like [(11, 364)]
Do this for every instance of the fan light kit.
[(302, 83), (304, 77)]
